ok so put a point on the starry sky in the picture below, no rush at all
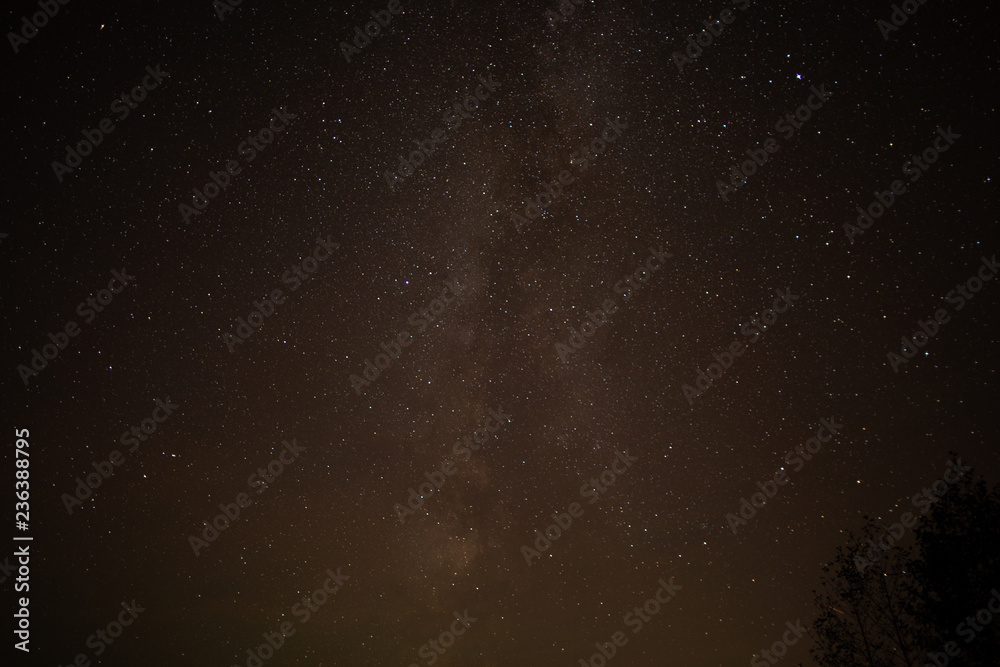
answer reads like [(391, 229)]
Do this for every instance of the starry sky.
[(474, 306)]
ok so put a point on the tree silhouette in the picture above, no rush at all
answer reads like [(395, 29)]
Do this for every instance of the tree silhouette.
[(895, 596), (863, 615), (958, 569)]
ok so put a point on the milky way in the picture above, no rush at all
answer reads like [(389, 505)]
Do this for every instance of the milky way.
[(380, 247)]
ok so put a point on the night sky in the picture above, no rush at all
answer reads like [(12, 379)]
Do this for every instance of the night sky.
[(500, 254)]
